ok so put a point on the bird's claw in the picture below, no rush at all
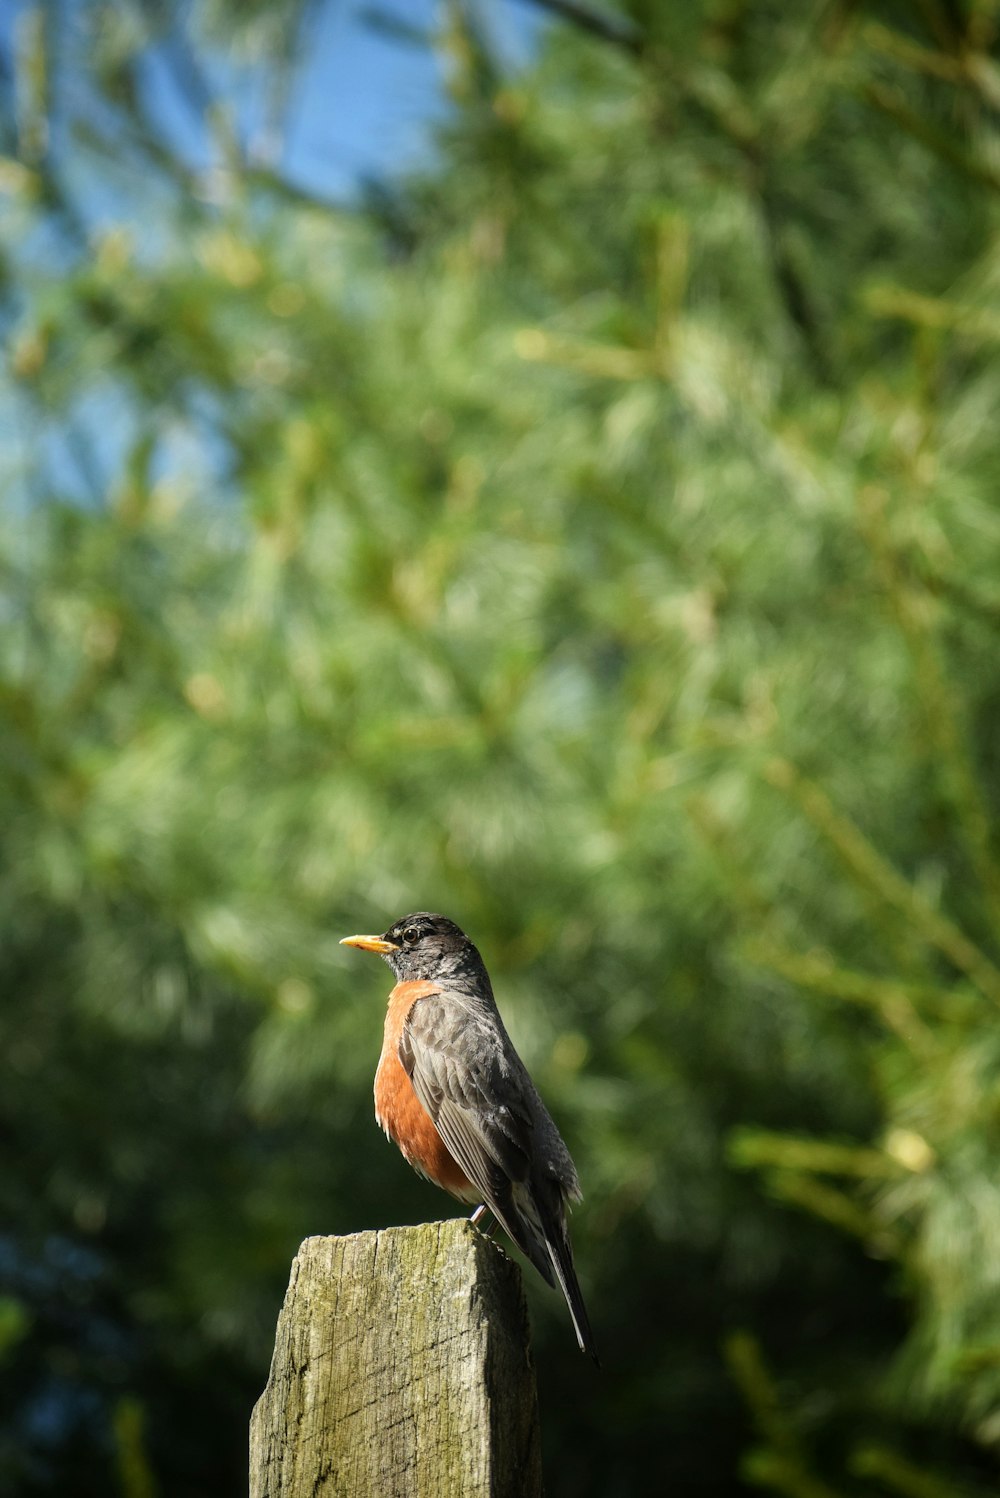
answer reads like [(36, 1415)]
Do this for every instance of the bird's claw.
[(477, 1216)]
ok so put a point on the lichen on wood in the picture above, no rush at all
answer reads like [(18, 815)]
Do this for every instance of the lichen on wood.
[(401, 1369)]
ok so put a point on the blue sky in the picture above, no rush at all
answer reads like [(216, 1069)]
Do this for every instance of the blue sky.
[(364, 100)]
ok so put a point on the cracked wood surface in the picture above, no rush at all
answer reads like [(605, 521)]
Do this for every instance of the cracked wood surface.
[(401, 1369)]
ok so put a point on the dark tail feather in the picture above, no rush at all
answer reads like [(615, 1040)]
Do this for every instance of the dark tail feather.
[(561, 1256), (547, 1245)]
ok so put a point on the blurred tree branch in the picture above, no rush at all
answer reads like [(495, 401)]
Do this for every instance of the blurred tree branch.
[(867, 865), (781, 1462), (618, 30), (892, 103), (940, 708)]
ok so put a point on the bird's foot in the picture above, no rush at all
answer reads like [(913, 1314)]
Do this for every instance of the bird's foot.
[(477, 1217)]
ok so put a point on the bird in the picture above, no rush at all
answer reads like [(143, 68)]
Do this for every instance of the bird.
[(454, 1095)]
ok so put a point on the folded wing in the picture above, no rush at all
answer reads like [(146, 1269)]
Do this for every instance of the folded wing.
[(471, 1084)]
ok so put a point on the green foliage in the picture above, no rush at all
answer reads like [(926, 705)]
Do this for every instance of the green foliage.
[(596, 539)]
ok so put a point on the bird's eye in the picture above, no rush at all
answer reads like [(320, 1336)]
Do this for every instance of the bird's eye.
[(411, 935)]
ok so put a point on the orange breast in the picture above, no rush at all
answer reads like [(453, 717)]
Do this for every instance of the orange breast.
[(398, 1109)]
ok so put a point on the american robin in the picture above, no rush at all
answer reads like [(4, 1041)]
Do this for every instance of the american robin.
[(455, 1096)]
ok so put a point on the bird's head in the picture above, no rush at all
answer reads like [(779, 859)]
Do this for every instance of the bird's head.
[(423, 946)]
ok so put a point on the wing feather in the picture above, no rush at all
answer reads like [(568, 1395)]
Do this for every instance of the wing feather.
[(467, 1079)]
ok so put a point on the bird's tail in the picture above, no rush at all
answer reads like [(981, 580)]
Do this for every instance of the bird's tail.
[(544, 1240), (561, 1256)]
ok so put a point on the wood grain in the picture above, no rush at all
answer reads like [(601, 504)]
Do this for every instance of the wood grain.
[(401, 1369)]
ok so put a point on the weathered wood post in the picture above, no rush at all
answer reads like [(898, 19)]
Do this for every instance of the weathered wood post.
[(401, 1369)]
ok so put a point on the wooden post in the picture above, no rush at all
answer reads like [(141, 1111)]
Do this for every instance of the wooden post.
[(401, 1369)]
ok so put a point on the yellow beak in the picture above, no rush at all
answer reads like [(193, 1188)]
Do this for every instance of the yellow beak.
[(369, 943)]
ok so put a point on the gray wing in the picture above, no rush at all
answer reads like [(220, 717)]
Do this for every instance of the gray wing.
[(470, 1082)]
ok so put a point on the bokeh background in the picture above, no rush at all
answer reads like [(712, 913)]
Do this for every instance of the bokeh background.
[(539, 462)]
